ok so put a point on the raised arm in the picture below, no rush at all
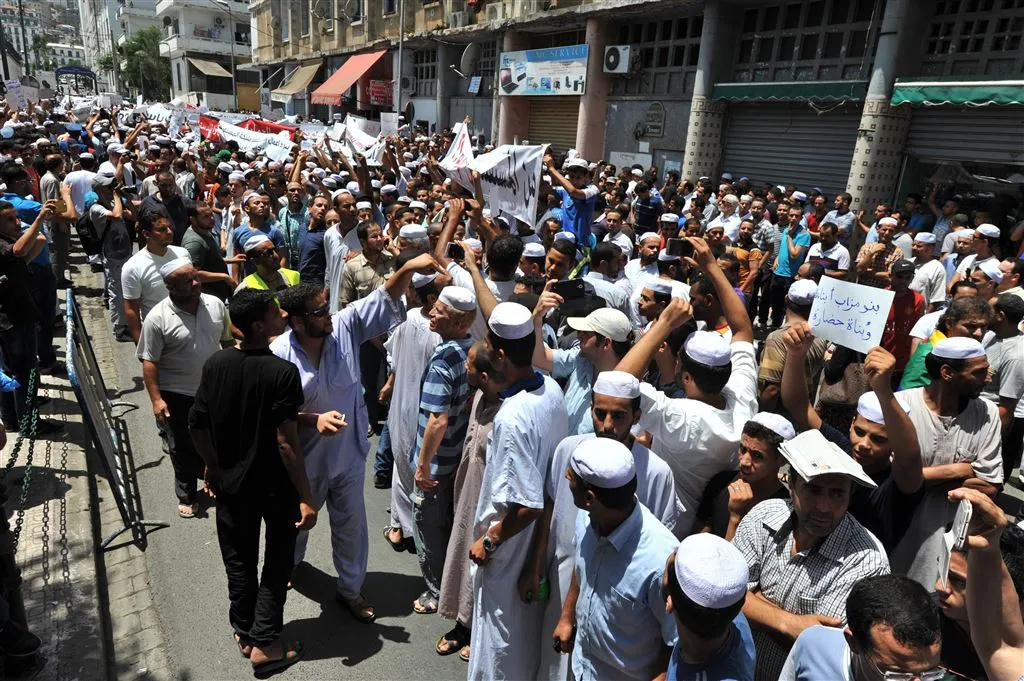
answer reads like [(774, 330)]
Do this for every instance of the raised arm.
[(485, 299), (636, 361), (543, 356), (906, 451), (732, 307), (798, 339)]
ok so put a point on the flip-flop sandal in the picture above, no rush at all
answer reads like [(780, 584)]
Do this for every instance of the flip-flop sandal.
[(187, 511), (359, 607), (464, 654), (242, 647), (425, 604), (292, 654), (398, 546), (454, 641)]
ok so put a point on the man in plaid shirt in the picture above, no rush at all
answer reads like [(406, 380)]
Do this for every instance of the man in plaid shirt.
[(441, 430)]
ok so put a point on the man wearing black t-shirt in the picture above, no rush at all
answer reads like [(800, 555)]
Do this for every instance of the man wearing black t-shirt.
[(882, 439), (243, 424)]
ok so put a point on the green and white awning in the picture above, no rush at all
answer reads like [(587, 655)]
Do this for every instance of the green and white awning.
[(793, 91), (963, 93)]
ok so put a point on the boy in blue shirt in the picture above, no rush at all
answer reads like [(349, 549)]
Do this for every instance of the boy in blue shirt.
[(578, 196), (704, 587)]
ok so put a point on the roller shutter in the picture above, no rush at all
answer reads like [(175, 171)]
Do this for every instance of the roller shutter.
[(790, 143), (990, 134), (553, 121)]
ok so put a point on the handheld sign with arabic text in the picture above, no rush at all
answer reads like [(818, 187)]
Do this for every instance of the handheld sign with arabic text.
[(851, 315)]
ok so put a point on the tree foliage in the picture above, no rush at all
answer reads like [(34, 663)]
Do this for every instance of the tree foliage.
[(145, 70)]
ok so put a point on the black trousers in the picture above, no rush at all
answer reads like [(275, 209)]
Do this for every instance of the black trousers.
[(370, 362), (779, 289), (188, 465), (257, 604), (757, 304)]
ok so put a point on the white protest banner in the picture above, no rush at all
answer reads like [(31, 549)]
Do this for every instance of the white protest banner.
[(16, 95), (158, 113), (276, 147), (371, 128), (357, 138), (458, 162), (388, 123), (851, 315), (510, 177)]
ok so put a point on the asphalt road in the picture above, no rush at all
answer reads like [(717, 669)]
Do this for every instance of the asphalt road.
[(190, 589)]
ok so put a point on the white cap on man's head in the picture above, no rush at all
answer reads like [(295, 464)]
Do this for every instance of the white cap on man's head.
[(413, 232), (711, 571), (649, 235), (511, 321), (776, 423), (457, 298), (802, 292), (870, 408), (798, 196), (617, 384), (987, 230), (925, 238), (172, 266), (420, 280), (958, 348), (669, 217), (474, 244), (892, 222), (418, 204), (708, 347), (254, 241), (991, 269), (363, 205), (603, 462), (533, 250), (565, 236), (636, 172), (607, 321), (658, 285), (665, 256), (624, 243)]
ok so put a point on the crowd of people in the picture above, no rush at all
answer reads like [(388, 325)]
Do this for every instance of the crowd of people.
[(612, 440)]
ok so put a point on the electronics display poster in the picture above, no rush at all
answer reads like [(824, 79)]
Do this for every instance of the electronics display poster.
[(550, 71)]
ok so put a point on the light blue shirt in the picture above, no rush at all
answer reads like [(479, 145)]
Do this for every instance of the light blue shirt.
[(621, 623), (578, 390), (845, 222), (819, 653), (788, 266), (335, 384), (613, 294), (733, 662)]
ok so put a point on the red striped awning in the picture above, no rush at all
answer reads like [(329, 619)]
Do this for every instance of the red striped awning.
[(344, 78)]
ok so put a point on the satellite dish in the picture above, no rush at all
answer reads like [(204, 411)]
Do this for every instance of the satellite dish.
[(167, 21), (470, 56)]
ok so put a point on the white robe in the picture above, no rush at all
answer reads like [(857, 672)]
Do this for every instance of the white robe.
[(528, 427)]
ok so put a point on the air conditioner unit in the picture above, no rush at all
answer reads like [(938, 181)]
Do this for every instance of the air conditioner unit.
[(618, 59), (495, 11), (527, 8), (458, 19), (407, 84)]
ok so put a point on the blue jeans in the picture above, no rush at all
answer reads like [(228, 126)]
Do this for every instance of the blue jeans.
[(18, 356), (385, 458)]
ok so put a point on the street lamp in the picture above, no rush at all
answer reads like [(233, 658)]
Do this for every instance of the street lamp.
[(231, 35)]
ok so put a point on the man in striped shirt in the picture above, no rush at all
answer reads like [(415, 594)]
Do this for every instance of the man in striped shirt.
[(439, 436)]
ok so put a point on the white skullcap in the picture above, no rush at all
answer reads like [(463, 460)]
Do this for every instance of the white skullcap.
[(236, 177), (533, 250), (360, 205), (669, 217), (458, 298), (636, 172), (802, 292), (607, 321), (330, 183), (565, 236), (243, 166), (254, 241), (925, 238), (663, 286), (711, 571), (988, 230), (746, 197), (375, 184), (893, 222), (404, 199), (958, 348), (798, 196), (576, 163), (388, 189), (86, 155), (418, 204), (991, 269), (224, 167), (649, 235), (320, 173), (868, 407), (969, 233), (352, 187), (779, 425), (510, 321), (665, 256), (708, 347), (475, 244), (338, 192), (617, 384), (603, 462), (413, 232), (624, 243), (310, 164), (172, 266), (727, 176), (408, 156), (420, 280), (486, 212), (343, 174)]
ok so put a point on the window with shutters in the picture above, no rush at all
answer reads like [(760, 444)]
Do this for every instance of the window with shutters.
[(485, 66), (425, 71), (667, 50), (974, 38), (816, 40)]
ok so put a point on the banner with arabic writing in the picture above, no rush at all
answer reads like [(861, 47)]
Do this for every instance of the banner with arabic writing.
[(851, 315)]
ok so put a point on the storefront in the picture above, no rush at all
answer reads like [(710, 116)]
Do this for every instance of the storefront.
[(553, 120)]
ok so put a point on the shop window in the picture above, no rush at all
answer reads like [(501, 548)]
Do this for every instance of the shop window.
[(668, 51), (425, 71), (981, 38)]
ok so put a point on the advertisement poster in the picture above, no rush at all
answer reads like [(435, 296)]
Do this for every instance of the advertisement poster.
[(381, 92), (551, 71)]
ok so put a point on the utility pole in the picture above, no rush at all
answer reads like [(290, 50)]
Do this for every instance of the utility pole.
[(401, 50), (24, 38), (231, 36), (3, 51)]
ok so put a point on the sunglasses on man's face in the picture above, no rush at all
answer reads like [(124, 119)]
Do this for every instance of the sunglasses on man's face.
[(321, 311)]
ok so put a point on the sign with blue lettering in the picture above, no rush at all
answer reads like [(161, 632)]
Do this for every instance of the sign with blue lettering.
[(851, 315), (551, 71)]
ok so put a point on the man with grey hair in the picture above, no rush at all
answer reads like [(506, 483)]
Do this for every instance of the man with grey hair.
[(728, 218), (178, 335)]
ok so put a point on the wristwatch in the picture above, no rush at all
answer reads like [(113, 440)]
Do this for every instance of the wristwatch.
[(489, 544)]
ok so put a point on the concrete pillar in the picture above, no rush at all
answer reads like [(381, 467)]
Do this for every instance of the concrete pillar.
[(514, 114), (703, 153), (594, 102), (882, 133), (447, 81)]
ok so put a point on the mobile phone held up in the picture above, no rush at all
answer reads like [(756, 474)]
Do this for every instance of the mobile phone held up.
[(679, 247), (570, 289), (455, 252)]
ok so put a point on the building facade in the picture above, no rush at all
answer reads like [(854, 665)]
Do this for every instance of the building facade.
[(99, 27), (874, 97), (23, 41), (63, 54), (207, 42), (133, 16)]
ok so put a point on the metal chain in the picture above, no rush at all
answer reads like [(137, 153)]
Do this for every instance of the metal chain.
[(65, 565), (30, 422), (23, 426)]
